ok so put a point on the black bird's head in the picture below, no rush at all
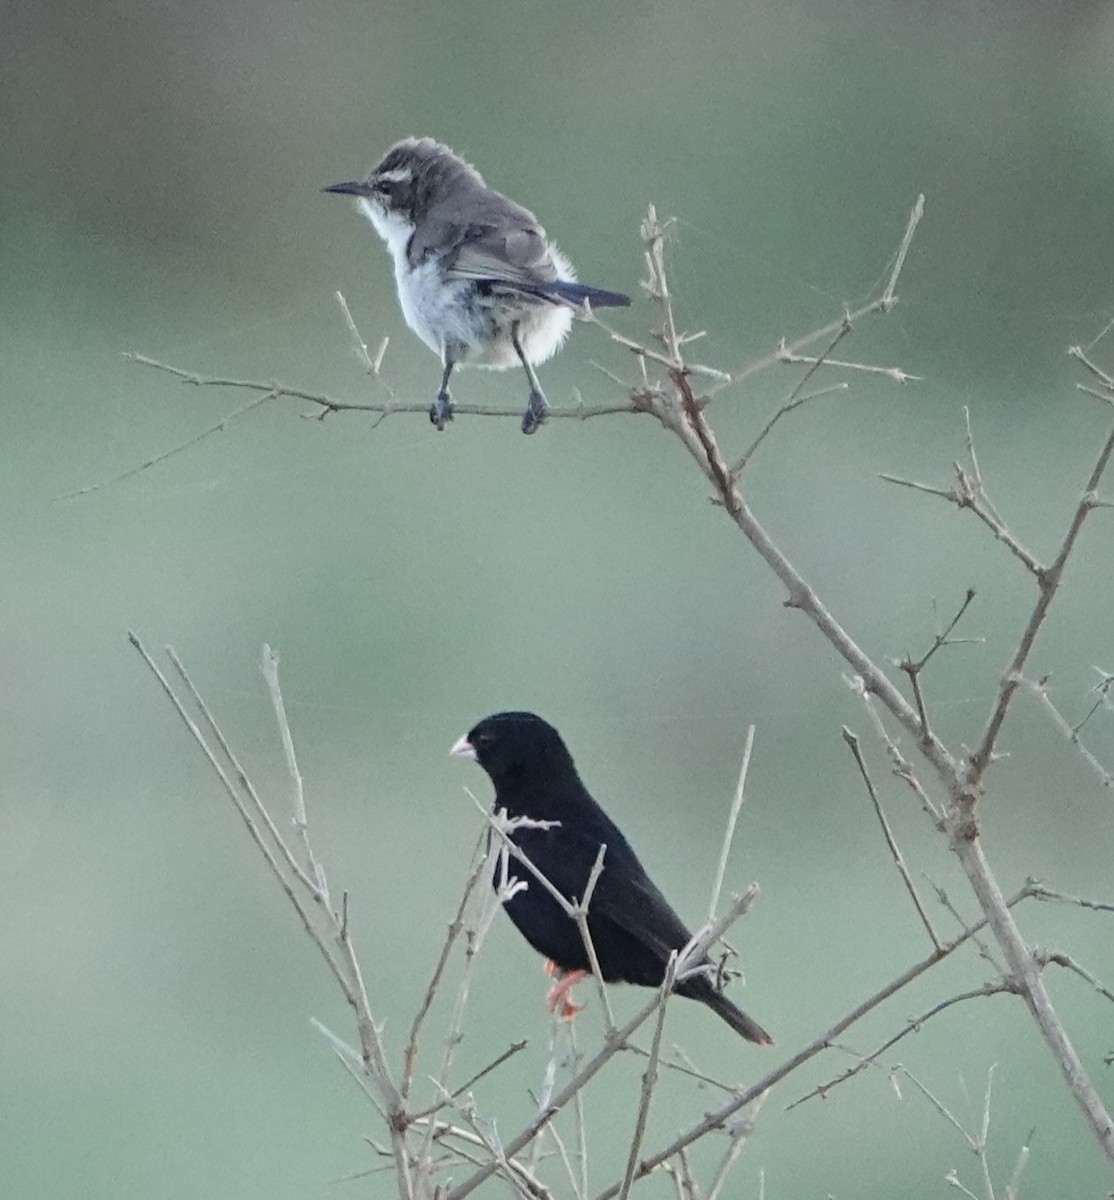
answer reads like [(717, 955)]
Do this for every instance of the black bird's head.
[(518, 750)]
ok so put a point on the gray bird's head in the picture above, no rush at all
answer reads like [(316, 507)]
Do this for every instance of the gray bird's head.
[(413, 177)]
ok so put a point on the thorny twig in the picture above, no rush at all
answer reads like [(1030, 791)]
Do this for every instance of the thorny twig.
[(915, 1025), (970, 493), (1039, 688), (895, 852), (943, 638)]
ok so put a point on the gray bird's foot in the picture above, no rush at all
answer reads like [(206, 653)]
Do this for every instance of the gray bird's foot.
[(441, 410), (537, 410)]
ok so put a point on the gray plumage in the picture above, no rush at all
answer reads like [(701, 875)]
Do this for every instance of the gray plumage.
[(478, 281)]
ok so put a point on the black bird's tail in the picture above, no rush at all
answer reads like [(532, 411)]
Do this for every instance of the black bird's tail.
[(707, 994)]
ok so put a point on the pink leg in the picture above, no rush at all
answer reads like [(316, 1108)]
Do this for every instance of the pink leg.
[(558, 994)]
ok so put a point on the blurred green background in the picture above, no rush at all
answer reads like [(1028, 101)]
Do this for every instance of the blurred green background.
[(162, 172)]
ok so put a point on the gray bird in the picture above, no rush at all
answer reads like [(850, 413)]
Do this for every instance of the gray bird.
[(477, 279)]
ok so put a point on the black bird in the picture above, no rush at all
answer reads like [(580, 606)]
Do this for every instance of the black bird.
[(632, 926)]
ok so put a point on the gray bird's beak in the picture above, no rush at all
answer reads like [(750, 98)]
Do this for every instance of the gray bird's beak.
[(355, 187), (463, 748)]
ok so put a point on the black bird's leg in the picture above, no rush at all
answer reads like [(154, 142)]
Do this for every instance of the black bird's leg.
[(441, 410), (537, 408), (558, 1000)]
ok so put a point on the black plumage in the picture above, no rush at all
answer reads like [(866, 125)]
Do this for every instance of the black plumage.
[(632, 926)]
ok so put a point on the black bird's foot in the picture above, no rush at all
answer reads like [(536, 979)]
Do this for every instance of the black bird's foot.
[(441, 410), (557, 999), (537, 410)]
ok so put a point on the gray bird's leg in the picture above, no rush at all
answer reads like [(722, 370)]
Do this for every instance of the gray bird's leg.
[(537, 408), (441, 410)]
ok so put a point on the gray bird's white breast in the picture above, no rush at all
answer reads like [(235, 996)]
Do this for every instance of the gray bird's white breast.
[(453, 312)]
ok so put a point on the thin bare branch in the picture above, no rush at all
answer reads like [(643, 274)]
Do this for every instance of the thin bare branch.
[(888, 296), (984, 949), (501, 825), (1099, 336), (943, 638), (970, 494), (984, 1133), (913, 1026), (649, 1078), (245, 782), (1039, 892), (409, 1054), (1013, 1188), (248, 819), (900, 481), (952, 1179), (1026, 973), (1077, 352), (891, 842), (586, 1073), (1039, 688), (581, 1124), (938, 1105), (301, 826), (579, 1187), (358, 343), (1101, 692), (882, 304), (1060, 959), (495, 1063), (330, 405), (1049, 583), (894, 373), (902, 768), (740, 464), (688, 1177), (683, 1065), (580, 915), (732, 821), (219, 427), (1090, 391), (493, 898), (340, 957), (795, 398), (739, 1133)]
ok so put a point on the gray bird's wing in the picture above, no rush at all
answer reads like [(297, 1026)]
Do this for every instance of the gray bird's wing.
[(488, 238), (516, 255)]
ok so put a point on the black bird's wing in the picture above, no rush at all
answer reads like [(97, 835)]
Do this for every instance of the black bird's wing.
[(635, 924), (633, 927)]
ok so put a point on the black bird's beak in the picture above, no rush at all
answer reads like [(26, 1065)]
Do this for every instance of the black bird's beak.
[(355, 187), (463, 748)]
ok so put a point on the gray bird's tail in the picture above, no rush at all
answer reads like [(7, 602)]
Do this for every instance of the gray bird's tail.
[(577, 293)]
